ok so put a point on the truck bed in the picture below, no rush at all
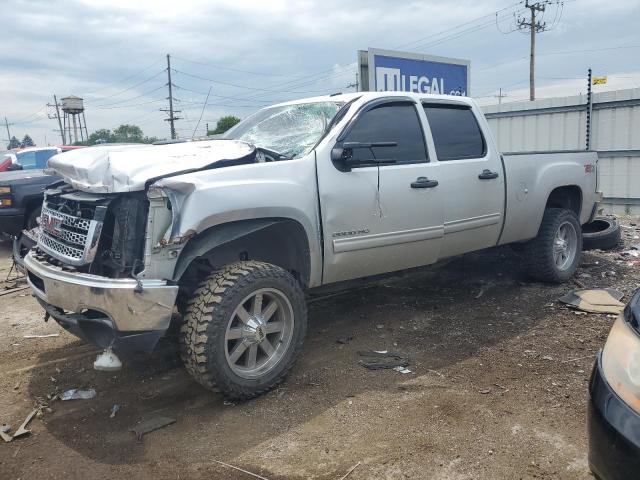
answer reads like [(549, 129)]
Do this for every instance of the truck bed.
[(528, 185)]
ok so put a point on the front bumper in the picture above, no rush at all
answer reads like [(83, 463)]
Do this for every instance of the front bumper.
[(614, 432), (102, 310)]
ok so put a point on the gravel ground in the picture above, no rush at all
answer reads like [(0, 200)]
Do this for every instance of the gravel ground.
[(498, 387)]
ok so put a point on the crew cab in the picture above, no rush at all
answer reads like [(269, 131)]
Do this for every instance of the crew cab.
[(222, 238)]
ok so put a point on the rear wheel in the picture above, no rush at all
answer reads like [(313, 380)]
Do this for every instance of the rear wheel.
[(554, 255), (244, 328)]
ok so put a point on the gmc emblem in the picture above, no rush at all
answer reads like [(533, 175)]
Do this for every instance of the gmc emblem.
[(50, 223)]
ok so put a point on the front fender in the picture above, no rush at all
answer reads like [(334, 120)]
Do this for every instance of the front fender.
[(254, 193)]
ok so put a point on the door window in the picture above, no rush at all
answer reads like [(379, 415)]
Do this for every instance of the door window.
[(390, 122), (456, 133)]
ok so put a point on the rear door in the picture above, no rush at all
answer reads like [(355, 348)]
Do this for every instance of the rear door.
[(472, 185), (380, 217)]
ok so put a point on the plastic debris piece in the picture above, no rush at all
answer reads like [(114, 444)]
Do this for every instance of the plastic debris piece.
[(114, 410), (107, 361), (598, 300), (4, 433), (22, 430), (381, 360), (75, 394), (152, 425), (402, 370), (344, 340), (50, 335)]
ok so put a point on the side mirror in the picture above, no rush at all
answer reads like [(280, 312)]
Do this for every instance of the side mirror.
[(342, 154)]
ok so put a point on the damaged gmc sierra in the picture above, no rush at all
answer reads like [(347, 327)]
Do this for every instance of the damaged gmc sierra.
[(220, 239)]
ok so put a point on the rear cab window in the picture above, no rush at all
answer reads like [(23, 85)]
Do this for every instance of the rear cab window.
[(456, 132), (389, 122)]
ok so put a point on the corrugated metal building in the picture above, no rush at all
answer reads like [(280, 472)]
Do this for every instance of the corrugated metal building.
[(560, 124)]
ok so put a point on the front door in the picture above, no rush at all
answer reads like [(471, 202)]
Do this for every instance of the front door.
[(384, 212)]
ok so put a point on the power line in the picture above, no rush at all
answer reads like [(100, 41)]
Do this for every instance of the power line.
[(201, 113), (218, 96), (132, 86), (120, 102), (125, 79), (137, 104), (420, 40), (220, 67), (235, 85)]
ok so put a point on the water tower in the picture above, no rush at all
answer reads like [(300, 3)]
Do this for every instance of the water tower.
[(73, 108)]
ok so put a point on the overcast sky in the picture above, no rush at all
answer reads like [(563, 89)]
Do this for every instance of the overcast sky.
[(253, 53)]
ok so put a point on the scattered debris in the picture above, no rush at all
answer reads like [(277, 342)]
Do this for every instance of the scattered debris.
[(344, 340), (579, 283), (603, 300), (152, 425), (17, 385), (49, 335), (547, 357), (576, 359), (7, 292), (350, 470), (485, 391), (22, 430), (255, 475), (402, 370), (380, 360), (76, 394), (4, 433), (114, 410), (107, 361)]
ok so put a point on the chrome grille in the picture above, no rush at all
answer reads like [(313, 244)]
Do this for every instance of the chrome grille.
[(68, 238)]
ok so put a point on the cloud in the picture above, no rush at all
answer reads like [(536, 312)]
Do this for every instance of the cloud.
[(253, 52)]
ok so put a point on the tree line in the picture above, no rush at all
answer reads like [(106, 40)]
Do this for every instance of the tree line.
[(125, 133), (27, 141)]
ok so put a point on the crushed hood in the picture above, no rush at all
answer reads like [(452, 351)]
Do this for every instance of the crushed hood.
[(126, 168)]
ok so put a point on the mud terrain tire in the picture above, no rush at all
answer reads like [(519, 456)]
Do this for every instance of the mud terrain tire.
[(554, 255), (217, 324)]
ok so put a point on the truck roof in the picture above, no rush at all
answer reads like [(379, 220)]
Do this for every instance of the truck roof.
[(346, 97)]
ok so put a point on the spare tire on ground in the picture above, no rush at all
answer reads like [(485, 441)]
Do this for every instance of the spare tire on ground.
[(603, 233)]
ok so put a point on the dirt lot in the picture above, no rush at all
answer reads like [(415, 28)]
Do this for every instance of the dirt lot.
[(498, 389)]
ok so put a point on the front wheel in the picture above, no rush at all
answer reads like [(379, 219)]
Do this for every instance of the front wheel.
[(554, 255), (243, 329)]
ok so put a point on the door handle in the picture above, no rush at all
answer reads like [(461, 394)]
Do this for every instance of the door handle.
[(424, 182), (488, 175)]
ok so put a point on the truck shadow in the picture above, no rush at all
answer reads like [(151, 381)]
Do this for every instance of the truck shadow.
[(438, 317)]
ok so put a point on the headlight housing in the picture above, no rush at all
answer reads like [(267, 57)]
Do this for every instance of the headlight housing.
[(5, 189), (621, 355)]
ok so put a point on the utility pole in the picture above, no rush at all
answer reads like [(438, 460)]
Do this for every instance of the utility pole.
[(534, 27), (171, 111), (500, 96), (357, 84), (6, 124), (57, 115)]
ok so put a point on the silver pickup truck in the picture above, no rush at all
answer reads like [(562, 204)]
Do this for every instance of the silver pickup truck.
[(221, 238)]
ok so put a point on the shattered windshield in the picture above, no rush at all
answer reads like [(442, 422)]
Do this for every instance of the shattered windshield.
[(291, 130)]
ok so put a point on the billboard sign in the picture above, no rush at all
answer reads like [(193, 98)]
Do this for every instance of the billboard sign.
[(386, 70)]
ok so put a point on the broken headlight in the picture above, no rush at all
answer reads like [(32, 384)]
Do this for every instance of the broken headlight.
[(621, 356)]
